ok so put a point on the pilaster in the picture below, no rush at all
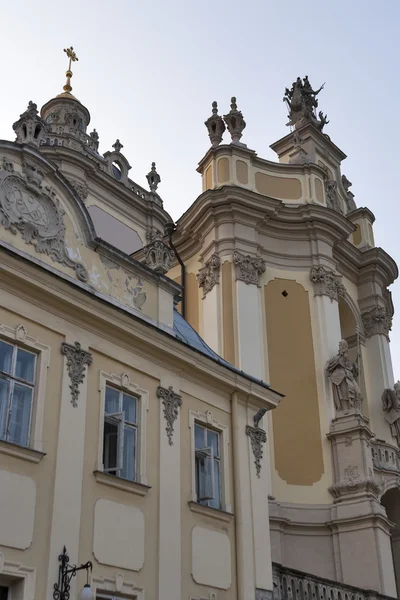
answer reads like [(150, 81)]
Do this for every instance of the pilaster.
[(66, 513)]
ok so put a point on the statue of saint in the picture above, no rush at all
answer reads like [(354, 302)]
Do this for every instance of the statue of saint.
[(343, 374), (391, 406), (302, 103)]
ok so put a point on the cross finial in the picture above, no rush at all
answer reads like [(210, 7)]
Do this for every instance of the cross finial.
[(72, 58)]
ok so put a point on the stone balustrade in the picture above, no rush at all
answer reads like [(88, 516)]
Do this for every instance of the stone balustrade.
[(296, 585), (385, 456)]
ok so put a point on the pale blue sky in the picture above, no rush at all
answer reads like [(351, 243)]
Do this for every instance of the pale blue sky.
[(148, 72)]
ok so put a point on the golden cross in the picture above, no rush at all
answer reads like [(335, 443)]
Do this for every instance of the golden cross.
[(72, 58)]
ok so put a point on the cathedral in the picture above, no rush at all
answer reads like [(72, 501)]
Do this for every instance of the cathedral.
[(199, 410)]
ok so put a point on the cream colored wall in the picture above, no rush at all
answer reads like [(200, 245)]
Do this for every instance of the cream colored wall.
[(15, 311), (317, 493)]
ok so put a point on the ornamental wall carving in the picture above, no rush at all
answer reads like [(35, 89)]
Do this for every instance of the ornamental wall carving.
[(208, 275), (327, 283), (377, 321), (258, 438), (248, 268), (171, 402), (77, 359), (33, 211)]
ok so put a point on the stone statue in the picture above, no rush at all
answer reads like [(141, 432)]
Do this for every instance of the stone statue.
[(302, 102), (391, 406), (343, 374)]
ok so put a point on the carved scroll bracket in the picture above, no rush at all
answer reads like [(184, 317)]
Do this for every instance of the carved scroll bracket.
[(377, 321), (258, 437), (327, 283), (77, 359), (171, 402), (208, 275), (248, 268)]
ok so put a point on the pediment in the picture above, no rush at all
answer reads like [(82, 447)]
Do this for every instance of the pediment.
[(42, 216)]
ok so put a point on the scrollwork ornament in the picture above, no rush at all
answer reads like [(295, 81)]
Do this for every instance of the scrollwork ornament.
[(77, 359), (258, 437), (377, 321), (38, 217), (171, 403), (327, 283), (248, 268), (208, 275)]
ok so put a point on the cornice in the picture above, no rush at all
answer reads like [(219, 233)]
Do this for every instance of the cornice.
[(66, 300), (269, 216), (319, 138), (361, 267)]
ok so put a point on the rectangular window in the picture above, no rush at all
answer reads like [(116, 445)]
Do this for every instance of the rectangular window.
[(208, 465), (120, 433), (17, 384)]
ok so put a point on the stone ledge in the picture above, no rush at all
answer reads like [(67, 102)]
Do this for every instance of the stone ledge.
[(22, 452), (132, 487), (208, 511)]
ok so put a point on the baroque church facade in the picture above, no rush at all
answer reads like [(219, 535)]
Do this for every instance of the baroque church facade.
[(200, 410)]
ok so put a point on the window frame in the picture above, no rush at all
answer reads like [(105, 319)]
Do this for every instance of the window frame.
[(18, 336), (124, 384), (207, 420), (115, 588)]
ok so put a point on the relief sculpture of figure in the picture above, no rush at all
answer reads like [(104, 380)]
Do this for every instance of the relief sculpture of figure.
[(391, 406), (343, 374)]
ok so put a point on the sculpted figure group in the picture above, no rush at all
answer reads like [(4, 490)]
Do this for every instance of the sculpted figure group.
[(302, 103)]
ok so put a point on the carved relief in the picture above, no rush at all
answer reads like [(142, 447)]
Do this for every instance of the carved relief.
[(158, 256), (210, 596), (248, 268), (36, 214), (77, 359), (327, 283), (171, 402), (258, 437), (377, 321), (80, 188), (391, 407), (208, 275)]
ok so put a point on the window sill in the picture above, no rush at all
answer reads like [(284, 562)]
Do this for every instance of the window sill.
[(122, 484), (208, 511), (22, 452)]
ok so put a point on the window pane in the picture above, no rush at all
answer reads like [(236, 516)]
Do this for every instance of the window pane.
[(6, 351), (213, 441), (110, 445), (216, 501), (112, 400), (199, 440), (129, 408), (18, 428), (25, 367), (4, 394), (128, 470)]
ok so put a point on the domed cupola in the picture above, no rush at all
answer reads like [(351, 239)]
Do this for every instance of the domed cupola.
[(67, 118)]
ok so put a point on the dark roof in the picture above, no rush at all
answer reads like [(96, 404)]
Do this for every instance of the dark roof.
[(186, 334)]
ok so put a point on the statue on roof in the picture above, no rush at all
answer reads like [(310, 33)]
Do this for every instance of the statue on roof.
[(302, 103)]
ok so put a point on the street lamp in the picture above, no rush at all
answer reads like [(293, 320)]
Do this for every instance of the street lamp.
[(65, 574)]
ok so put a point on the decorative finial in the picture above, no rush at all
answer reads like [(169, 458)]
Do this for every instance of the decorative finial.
[(215, 126), (153, 178), (30, 127), (95, 137), (117, 146), (72, 58), (235, 122)]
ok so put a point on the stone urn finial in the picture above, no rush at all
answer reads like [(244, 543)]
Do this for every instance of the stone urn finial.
[(30, 127), (117, 146), (215, 126), (153, 178), (235, 122)]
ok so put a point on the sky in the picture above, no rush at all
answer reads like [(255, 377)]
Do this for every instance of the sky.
[(149, 71)]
